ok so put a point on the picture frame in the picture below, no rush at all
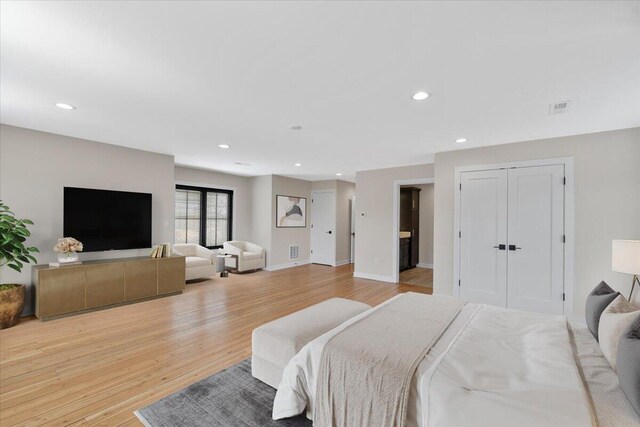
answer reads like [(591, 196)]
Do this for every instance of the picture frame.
[(291, 211)]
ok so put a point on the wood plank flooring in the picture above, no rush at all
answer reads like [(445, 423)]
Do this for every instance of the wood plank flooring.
[(97, 368), (417, 276)]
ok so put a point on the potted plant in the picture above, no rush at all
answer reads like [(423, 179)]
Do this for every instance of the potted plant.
[(13, 254)]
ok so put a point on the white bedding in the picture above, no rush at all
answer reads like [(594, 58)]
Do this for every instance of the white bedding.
[(609, 402), (463, 381)]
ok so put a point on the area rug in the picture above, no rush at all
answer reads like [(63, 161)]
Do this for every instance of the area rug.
[(229, 398)]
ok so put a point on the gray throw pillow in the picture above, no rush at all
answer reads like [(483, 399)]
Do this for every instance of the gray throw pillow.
[(597, 301), (628, 363)]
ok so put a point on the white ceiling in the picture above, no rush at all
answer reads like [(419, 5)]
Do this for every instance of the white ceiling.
[(181, 77)]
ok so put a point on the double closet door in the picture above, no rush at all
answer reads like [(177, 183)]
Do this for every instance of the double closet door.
[(512, 238)]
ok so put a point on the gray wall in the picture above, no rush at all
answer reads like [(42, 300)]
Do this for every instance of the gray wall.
[(260, 209), (607, 201), (35, 166), (282, 238), (374, 197), (242, 194), (328, 184)]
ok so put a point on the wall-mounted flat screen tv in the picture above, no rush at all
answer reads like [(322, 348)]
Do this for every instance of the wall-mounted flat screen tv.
[(105, 220)]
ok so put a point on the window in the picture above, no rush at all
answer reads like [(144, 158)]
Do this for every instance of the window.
[(203, 216)]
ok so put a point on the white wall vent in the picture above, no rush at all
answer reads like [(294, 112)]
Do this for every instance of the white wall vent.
[(558, 107), (294, 252)]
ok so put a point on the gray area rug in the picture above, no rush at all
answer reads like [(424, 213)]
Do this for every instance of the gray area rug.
[(229, 398)]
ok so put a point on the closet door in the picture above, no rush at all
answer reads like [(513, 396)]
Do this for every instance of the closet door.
[(483, 237), (535, 230)]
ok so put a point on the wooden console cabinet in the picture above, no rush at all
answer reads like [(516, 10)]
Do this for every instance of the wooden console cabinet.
[(104, 283)]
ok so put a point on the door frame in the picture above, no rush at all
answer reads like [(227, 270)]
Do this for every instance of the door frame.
[(569, 189), (333, 234), (395, 235), (352, 230)]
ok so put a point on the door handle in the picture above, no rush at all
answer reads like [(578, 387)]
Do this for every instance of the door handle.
[(501, 247), (513, 248), (329, 232)]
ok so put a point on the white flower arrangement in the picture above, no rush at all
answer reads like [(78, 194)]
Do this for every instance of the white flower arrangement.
[(68, 244)]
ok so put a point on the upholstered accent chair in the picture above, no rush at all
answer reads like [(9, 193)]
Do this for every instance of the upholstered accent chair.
[(249, 255), (200, 262)]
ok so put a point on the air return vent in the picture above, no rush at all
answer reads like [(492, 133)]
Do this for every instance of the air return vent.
[(294, 252), (558, 107)]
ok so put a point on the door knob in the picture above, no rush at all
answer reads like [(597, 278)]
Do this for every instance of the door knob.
[(513, 247), (501, 247), (329, 232)]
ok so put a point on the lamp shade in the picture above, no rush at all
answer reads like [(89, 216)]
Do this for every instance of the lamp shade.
[(625, 256)]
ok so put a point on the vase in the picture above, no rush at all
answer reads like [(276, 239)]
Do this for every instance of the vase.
[(67, 257), (11, 305)]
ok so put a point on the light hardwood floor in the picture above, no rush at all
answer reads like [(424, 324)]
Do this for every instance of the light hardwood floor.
[(97, 368), (417, 276)]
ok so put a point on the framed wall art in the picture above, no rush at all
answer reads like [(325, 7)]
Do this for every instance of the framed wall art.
[(291, 212)]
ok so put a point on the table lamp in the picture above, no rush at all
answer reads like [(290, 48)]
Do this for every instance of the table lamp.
[(625, 258)]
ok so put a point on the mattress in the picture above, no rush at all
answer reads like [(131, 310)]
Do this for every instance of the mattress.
[(565, 360)]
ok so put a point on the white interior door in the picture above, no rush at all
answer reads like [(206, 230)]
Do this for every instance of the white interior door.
[(535, 230), (323, 227), (483, 237)]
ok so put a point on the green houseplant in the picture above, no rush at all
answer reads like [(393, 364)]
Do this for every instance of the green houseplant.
[(13, 254)]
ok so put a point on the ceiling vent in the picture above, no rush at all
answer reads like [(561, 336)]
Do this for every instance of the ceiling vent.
[(558, 107), (294, 252)]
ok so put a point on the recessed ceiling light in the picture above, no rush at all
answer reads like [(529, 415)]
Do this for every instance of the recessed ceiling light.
[(420, 96), (297, 164), (461, 140), (339, 174), (225, 146), (65, 106), (295, 127)]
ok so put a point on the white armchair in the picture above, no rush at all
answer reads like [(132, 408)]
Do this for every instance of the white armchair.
[(200, 262), (249, 255)]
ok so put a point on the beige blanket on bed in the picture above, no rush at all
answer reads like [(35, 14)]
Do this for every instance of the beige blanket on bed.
[(366, 370)]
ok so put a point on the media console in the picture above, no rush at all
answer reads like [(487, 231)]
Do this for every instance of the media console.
[(99, 284)]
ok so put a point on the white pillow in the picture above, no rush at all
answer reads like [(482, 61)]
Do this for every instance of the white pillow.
[(615, 319)]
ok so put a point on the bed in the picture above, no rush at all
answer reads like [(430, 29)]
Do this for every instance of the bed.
[(488, 366)]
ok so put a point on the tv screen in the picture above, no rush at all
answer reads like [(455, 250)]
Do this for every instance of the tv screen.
[(104, 220)]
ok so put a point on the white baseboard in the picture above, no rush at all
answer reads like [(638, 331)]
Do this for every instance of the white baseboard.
[(423, 265), (378, 277), (287, 265), (343, 262)]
